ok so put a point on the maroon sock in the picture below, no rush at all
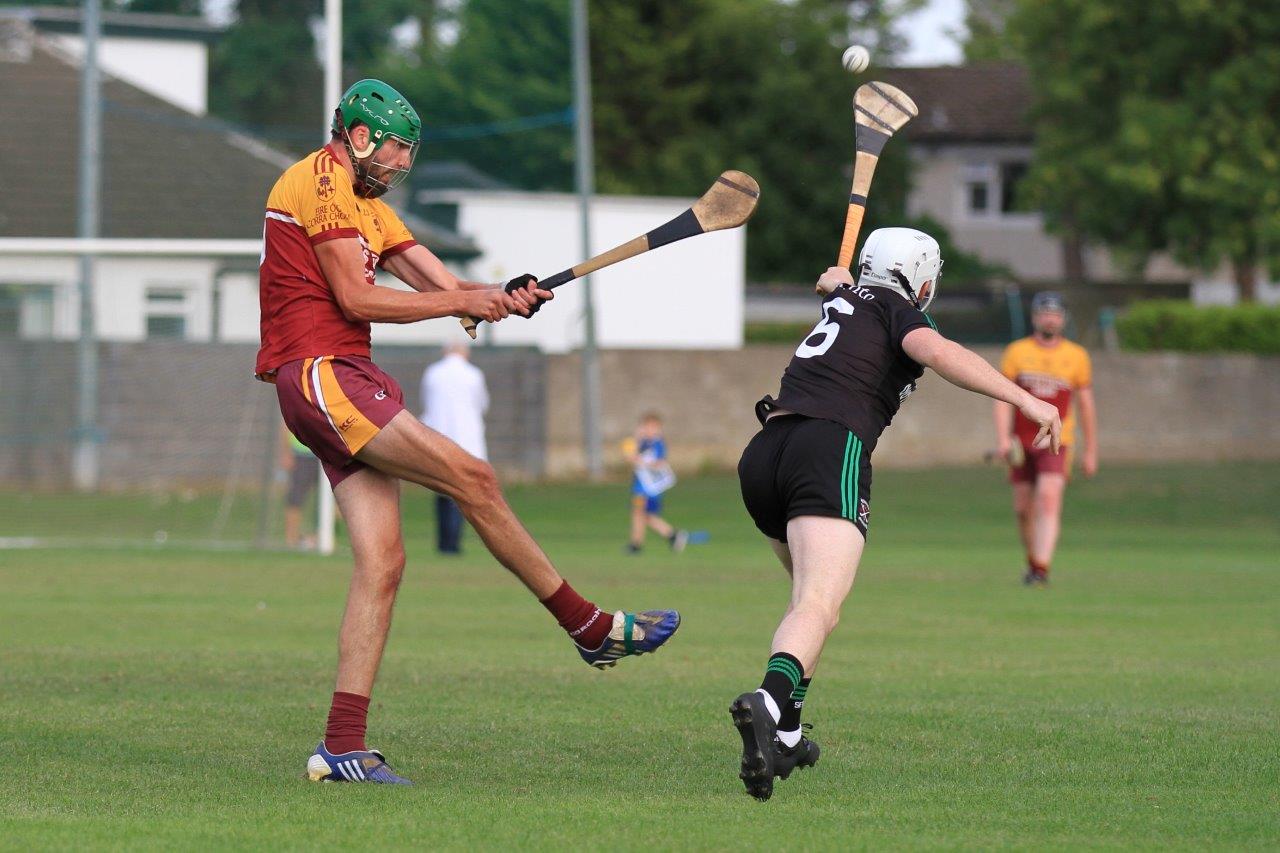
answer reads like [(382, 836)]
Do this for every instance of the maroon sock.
[(585, 623), (1040, 570), (347, 717)]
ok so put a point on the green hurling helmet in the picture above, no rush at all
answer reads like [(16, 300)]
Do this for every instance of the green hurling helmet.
[(388, 115)]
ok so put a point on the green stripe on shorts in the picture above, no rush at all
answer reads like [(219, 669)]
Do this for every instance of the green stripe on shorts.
[(844, 477), (857, 475)]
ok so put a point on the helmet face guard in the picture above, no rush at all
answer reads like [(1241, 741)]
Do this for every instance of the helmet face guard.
[(388, 116), (373, 178)]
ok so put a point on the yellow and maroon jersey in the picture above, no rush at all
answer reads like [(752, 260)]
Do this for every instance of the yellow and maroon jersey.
[(1051, 373), (314, 201)]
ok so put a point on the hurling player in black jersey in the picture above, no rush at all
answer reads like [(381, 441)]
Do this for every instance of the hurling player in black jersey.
[(806, 476)]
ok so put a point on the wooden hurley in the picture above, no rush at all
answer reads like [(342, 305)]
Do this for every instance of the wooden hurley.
[(729, 203), (879, 111)]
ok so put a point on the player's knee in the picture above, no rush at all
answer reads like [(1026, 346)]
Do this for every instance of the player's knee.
[(820, 610), (381, 565), (392, 572), (1048, 502)]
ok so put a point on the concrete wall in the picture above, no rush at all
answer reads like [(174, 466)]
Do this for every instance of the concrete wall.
[(1159, 407), (177, 414)]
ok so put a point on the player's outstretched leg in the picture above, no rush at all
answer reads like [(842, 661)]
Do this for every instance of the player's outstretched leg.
[(407, 449)]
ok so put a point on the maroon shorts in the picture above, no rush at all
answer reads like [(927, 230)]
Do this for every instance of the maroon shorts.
[(1037, 462), (335, 405)]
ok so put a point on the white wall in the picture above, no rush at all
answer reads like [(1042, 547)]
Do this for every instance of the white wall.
[(688, 295), (177, 71)]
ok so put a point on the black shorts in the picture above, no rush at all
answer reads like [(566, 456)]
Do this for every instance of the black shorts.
[(797, 466)]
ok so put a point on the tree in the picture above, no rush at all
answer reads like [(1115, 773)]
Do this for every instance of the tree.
[(988, 38), (265, 74), (1156, 126), (684, 91), (499, 96)]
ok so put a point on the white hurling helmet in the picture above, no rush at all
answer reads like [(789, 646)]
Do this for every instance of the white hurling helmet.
[(904, 260)]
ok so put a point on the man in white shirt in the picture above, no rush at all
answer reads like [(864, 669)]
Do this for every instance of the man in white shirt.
[(454, 401)]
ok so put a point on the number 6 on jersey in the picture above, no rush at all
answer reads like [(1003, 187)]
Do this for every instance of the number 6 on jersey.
[(823, 336)]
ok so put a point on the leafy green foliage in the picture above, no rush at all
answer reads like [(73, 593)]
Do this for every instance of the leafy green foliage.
[(682, 92), (988, 38), (509, 61), (1177, 325), (1156, 125), (265, 74)]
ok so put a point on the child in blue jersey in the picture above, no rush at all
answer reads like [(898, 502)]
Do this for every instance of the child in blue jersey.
[(646, 451)]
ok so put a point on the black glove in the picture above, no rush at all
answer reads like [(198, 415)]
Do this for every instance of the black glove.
[(520, 282)]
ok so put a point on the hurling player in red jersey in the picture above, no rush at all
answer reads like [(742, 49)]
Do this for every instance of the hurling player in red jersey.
[(1052, 368), (326, 232)]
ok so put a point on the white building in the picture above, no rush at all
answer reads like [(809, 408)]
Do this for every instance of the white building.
[(687, 295)]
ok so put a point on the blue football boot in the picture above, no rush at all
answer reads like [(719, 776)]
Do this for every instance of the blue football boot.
[(632, 634), (370, 766)]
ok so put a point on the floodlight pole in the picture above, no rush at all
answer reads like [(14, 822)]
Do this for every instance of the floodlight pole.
[(585, 162), (332, 92), (332, 60), (84, 464)]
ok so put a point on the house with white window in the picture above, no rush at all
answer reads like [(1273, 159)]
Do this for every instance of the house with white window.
[(169, 173)]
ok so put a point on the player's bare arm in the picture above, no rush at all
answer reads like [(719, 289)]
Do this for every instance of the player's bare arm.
[(1004, 428), (419, 268), (1089, 423), (966, 369), (342, 262)]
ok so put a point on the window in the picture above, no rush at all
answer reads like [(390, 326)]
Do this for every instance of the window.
[(26, 311), (990, 189), (977, 180), (1011, 175), (167, 313), (977, 197)]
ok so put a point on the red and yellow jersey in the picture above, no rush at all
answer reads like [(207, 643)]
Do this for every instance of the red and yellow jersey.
[(314, 201), (1052, 373)]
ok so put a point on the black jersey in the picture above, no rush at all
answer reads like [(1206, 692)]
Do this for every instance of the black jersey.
[(851, 368)]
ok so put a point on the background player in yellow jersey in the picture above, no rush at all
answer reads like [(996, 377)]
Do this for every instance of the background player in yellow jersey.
[(1057, 370)]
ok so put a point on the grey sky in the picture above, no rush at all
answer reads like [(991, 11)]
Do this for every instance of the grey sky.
[(927, 33)]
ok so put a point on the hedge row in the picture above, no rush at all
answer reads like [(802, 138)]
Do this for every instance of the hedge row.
[(1183, 327)]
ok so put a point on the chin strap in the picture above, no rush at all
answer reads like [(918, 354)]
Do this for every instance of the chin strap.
[(359, 165), (906, 286)]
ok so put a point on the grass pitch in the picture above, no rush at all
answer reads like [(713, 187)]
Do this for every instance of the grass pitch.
[(170, 697)]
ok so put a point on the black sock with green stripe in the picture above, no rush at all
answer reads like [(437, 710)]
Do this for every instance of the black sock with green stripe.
[(790, 720), (781, 677)]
